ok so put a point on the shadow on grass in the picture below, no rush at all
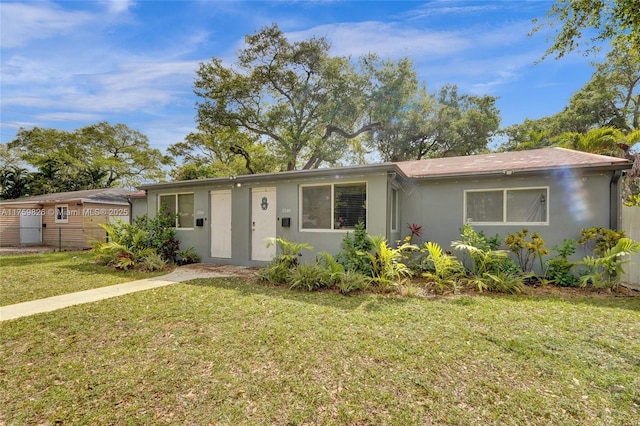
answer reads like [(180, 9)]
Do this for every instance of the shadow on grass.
[(18, 260), (612, 301), (246, 287)]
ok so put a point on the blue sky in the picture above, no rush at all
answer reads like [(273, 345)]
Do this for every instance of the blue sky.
[(67, 64)]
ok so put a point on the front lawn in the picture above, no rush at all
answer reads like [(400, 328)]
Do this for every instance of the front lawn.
[(225, 351), (36, 276)]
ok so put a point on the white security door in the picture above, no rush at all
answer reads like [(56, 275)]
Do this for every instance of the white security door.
[(263, 223), (221, 224), (31, 229)]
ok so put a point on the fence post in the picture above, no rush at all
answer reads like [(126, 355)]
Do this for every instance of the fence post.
[(59, 239)]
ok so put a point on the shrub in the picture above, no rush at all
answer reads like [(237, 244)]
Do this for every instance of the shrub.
[(187, 256), (446, 269), (526, 251), (129, 243), (559, 268), (606, 270), (501, 282), (334, 270), (289, 250), (354, 248), (276, 272), (387, 270), (308, 276), (598, 240), (352, 281), (154, 262)]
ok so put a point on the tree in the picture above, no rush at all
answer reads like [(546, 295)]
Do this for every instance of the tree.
[(15, 182), (223, 152), (603, 141), (124, 154), (588, 23), (97, 156), (448, 124), (305, 105), (611, 98)]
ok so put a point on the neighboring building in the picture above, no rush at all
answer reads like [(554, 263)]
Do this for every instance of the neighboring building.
[(65, 219), (554, 191)]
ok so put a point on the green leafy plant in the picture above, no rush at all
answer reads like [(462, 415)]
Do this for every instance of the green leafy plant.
[(388, 271), (526, 252), (445, 269), (289, 251), (501, 282), (599, 239), (187, 256), (276, 272), (154, 262), (559, 267), (352, 281), (308, 276), (334, 270), (491, 269), (606, 270), (353, 248)]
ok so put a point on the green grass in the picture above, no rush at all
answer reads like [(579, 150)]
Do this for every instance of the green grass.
[(224, 351), (36, 276)]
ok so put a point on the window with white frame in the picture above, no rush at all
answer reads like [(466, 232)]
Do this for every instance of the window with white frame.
[(62, 213), (334, 206), (181, 205), (507, 206)]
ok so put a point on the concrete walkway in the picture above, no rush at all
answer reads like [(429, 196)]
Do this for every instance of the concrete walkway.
[(181, 274)]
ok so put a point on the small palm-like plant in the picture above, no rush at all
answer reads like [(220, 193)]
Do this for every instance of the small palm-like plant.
[(606, 270), (289, 250), (334, 269), (447, 269), (387, 269)]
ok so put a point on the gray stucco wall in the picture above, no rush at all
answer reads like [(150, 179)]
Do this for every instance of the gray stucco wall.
[(287, 205), (576, 201)]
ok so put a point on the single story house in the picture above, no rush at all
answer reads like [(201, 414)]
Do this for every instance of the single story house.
[(64, 219), (553, 191)]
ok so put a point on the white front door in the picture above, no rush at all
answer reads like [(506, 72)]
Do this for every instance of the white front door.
[(221, 224), (263, 223), (30, 229)]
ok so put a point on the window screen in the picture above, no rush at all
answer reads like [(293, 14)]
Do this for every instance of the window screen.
[(185, 211), (336, 206), (527, 205), (485, 206), (316, 207), (181, 205)]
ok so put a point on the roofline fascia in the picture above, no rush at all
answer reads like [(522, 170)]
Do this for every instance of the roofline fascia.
[(280, 176), (511, 172)]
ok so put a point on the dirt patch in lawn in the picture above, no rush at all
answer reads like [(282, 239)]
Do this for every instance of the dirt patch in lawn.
[(204, 270)]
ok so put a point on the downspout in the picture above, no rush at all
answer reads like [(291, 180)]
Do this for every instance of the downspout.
[(614, 200), (391, 176), (130, 209)]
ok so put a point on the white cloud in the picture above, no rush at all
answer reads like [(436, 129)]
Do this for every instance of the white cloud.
[(23, 22), (119, 6)]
